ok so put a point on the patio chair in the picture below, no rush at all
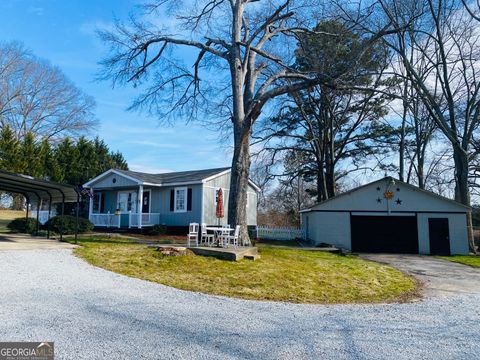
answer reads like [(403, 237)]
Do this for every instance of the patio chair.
[(206, 239), (192, 235), (231, 239)]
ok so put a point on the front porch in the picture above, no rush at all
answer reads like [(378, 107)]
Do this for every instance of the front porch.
[(125, 220)]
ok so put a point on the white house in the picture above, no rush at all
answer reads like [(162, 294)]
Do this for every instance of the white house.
[(389, 216)]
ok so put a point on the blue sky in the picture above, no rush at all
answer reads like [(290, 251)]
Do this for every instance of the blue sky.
[(63, 32)]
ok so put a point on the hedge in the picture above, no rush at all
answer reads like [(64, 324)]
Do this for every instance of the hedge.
[(69, 223), (23, 225)]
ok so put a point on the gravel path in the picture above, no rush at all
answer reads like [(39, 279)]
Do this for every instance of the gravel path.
[(49, 295)]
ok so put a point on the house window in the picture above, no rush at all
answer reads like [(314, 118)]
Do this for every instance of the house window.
[(97, 203), (180, 199)]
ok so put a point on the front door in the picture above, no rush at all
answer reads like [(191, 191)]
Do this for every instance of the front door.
[(146, 202), (127, 203), (439, 236)]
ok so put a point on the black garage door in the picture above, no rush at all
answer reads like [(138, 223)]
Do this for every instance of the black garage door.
[(384, 234)]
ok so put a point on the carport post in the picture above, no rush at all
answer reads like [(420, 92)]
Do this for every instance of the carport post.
[(49, 212), (61, 219), (76, 221), (38, 214), (26, 215)]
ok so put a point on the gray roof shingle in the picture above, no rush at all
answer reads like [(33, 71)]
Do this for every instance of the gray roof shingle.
[(192, 176)]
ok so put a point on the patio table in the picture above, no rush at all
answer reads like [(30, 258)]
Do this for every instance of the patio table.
[(217, 231)]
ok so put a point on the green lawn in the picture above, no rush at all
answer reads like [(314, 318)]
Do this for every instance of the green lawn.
[(8, 215), (471, 260), (290, 275)]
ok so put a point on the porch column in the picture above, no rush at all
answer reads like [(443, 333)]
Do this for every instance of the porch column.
[(140, 205), (90, 205)]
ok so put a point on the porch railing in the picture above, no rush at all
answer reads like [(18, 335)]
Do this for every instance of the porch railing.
[(148, 219), (112, 220), (107, 220)]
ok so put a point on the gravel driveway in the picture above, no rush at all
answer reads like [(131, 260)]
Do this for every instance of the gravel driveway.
[(49, 295)]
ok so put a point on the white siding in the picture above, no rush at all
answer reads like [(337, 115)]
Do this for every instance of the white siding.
[(209, 205), (331, 228), (457, 224), (365, 199), (107, 182)]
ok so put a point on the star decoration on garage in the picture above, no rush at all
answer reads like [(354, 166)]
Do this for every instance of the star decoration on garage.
[(398, 201)]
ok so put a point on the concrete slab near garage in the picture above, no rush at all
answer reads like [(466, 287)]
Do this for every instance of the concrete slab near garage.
[(27, 242)]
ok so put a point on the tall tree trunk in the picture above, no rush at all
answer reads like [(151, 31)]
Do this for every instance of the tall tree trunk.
[(18, 202), (401, 160), (237, 198), (462, 191), (420, 172), (321, 184)]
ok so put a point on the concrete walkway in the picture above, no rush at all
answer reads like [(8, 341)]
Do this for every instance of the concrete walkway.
[(26, 242), (440, 277)]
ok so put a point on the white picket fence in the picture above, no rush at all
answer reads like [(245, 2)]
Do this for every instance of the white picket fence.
[(278, 233)]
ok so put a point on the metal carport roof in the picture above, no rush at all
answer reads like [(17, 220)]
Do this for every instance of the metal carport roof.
[(35, 188)]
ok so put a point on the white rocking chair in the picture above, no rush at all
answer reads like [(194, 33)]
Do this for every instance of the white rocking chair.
[(192, 236)]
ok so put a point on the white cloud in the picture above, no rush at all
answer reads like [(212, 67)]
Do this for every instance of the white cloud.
[(148, 169), (156, 144)]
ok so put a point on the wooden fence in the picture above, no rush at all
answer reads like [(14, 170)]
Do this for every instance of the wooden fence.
[(277, 233)]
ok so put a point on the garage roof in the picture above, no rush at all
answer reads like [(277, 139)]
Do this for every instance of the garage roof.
[(34, 188), (389, 179)]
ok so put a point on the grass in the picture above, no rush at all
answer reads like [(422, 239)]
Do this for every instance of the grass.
[(290, 275), (291, 243), (471, 260), (8, 215)]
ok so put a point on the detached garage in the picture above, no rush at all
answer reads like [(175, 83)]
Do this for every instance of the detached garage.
[(389, 216)]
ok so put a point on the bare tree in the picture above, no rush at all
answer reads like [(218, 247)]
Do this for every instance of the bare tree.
[(243, 56), (37, 98)]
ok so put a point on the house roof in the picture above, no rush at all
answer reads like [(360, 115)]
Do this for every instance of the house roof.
[(174, 177), (171, 178), (388, 178)]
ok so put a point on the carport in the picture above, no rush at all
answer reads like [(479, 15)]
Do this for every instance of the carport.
[(37, 190)]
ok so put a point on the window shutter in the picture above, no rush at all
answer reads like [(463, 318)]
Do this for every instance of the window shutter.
[(172, 199), (189, 199)]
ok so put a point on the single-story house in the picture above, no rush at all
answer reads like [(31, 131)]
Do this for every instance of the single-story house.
[(131, 199), (389, 216)]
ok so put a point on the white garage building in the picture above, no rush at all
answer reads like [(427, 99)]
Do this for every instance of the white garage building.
[(389, 216)]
